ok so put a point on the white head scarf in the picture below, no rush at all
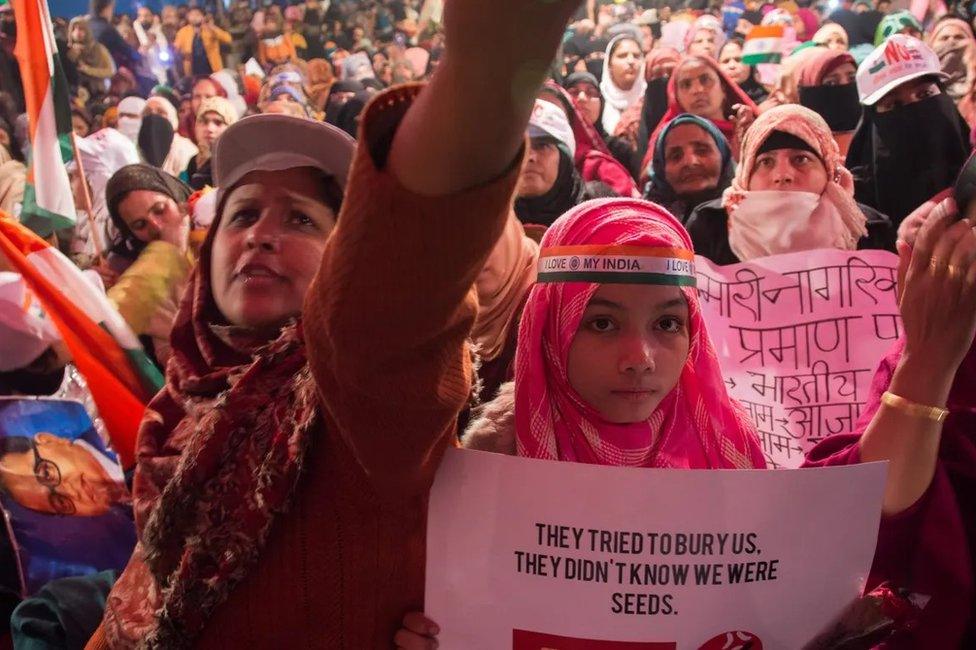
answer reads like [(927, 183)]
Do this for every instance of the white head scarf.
[(102, 153), (24, 332), (171, 115), (617, 100), (129, 126)]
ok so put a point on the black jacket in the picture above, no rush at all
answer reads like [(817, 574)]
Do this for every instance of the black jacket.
[(708, 226)]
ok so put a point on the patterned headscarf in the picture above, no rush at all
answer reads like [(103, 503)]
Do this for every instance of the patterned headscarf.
[(812, 129), (696, 426)]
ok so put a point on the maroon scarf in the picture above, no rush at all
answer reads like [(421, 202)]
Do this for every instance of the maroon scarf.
[(220, 452)]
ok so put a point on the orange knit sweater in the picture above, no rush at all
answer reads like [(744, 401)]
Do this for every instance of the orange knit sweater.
[(386, 323)]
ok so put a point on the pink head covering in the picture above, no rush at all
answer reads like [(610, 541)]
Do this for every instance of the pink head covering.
[(819, 63), (696, 426)]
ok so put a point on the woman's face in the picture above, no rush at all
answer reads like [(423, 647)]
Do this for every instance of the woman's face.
[(629, 351), (836, 41), (789, 170), (268, 247), (705, 43), (540, 171), (625, 64), (78, 34), (908, 93), (692, 161), (79, 126), (587, 100), (155, 106), (146, 213), (203, 89), (842, 75), (208, 128), (950, 37), (731, 61), (699, 90)]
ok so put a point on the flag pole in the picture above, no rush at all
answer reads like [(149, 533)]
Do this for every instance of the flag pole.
[(86, 195)]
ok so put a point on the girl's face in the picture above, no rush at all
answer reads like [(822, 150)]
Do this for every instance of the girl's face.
[(625, 64), (629, 351), (731, 62)]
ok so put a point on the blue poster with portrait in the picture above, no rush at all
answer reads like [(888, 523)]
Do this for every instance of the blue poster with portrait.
[(67, 508)]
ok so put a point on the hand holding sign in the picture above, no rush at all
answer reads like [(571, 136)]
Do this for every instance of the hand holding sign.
[(418, 633)]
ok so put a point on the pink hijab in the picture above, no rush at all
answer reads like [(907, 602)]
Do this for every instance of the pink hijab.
[(697, 425)]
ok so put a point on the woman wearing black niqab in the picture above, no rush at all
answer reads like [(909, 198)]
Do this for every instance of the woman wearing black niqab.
[(911, 142)]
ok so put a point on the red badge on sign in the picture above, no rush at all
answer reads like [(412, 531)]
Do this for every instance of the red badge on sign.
[(524, 640), (733, 641)]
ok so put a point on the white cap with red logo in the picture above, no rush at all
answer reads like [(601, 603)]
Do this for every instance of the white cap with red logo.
[(899, 59), (550, 121)]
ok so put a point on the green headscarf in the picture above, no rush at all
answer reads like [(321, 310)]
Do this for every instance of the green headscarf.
[(895, 23)]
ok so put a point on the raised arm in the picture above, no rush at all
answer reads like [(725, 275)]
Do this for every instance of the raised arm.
[(466, 128), (388, 315), (938, 306)]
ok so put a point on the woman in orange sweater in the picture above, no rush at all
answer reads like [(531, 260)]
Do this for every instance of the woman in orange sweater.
[(283, 473)]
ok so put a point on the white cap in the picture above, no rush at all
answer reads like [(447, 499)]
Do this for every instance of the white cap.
[(24, 333), (270, 142), (899, 59), (548, 120)]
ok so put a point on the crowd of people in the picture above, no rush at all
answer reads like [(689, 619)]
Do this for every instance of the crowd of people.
[(333, 226)]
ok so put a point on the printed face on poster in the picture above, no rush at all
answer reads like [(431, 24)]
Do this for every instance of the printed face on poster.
[(799, 337), (63, 490), (530, 554)]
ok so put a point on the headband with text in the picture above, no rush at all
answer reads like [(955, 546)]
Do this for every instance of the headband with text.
[(610, 264)]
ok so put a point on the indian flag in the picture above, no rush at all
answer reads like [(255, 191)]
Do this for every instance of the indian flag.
[(120, 375), (48, 204), (764, 44)]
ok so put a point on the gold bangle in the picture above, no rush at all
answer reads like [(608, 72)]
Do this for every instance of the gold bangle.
[(909, 407)]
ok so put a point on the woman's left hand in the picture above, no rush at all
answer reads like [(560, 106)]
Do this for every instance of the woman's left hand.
[(418, 633)]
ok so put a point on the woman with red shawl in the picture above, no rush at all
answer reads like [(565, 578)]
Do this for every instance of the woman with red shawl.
[(320, 360), (921, 418)]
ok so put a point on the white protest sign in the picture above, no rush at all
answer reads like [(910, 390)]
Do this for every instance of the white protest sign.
[(799, 337), (529, 554)]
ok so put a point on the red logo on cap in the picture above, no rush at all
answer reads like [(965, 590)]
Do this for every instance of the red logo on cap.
[(896, 53)]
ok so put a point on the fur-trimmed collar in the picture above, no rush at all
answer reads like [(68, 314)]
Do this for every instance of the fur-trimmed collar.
[(493, 428)]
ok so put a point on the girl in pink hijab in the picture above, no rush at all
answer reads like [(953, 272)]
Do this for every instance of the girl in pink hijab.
[(614, 365)]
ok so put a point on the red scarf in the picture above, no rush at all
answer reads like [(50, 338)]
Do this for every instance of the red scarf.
[(220, 452)]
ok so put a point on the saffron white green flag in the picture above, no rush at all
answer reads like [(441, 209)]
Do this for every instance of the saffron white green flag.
[(764, 44), (48, 203)]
